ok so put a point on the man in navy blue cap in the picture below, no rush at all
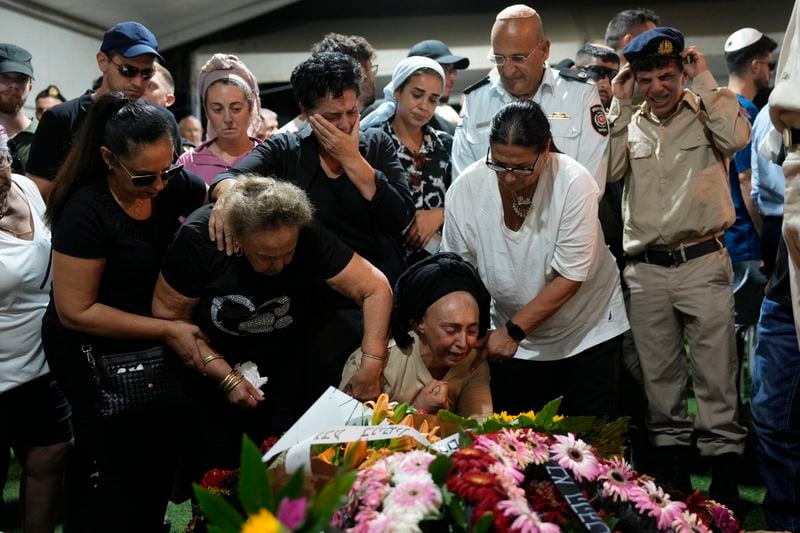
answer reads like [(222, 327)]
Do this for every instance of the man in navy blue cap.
[(126, 59), (672, 153)]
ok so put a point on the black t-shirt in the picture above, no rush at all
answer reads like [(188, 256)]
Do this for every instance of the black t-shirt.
[(247, 315), (53, 137), (56, 129), (94, 226)]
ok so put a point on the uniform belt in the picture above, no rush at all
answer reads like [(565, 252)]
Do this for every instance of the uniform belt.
[(680, 255)]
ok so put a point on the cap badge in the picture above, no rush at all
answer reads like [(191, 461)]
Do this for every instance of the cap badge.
[(665, 48)]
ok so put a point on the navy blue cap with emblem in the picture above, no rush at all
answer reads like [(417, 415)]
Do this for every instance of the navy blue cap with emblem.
[(663, 41)]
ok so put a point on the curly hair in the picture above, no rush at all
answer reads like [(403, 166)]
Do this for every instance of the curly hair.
[(323, 73), (256, 203), (353, 45)]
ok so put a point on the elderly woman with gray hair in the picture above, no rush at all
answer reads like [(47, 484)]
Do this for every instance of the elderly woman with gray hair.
[(411, 100), (230, 98), (261, 305)]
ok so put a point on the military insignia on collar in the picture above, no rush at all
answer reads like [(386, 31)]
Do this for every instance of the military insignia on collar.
[(665, 48), (558, 115), (599, 120)]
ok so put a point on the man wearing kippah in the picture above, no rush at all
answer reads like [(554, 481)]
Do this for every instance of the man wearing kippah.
[(520, 50), (16, 76), (672, 153), (126, 60)]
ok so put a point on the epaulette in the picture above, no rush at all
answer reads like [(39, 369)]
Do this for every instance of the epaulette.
[(476, 85), (573, 75)]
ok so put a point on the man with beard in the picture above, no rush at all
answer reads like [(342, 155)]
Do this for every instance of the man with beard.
[(126, 60), (16, 75)]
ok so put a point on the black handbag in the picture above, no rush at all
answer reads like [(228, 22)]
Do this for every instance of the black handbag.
[(138, 381)]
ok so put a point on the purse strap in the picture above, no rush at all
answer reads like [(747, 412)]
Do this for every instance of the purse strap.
[(86, 348)]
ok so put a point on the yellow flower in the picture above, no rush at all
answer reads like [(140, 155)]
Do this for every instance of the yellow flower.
[(263, 522)]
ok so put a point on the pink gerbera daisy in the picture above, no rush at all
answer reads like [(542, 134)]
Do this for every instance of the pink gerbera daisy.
[(651, 499), (576, 456), (617, 478), (524, 519), (416, 498)]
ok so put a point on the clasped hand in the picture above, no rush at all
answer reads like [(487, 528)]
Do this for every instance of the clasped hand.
[(338, 144)]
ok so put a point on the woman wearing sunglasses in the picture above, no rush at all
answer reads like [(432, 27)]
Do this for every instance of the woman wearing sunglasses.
[(232, 105), (411, 100), (526, 218), (113, 209)]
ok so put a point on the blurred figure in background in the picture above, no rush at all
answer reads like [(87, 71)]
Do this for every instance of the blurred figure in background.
[(49, 97)]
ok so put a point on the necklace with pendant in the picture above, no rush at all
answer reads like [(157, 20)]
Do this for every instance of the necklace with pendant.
[(522, 204)]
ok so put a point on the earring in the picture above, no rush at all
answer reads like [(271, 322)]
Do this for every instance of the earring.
[(238, 252)]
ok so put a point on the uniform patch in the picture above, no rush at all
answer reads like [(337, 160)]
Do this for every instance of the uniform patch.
[(599, 121)]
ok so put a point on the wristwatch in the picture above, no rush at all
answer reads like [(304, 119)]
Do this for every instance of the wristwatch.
[(791, 137), (515, 332)]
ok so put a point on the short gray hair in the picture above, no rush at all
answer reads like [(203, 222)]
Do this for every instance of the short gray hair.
[(256, 203)]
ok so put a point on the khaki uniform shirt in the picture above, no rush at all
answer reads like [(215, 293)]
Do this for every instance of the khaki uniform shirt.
[(405, 375), (676, 187)]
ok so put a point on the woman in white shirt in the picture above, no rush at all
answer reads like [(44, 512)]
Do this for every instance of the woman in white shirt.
[(526, 217), (34, 414)]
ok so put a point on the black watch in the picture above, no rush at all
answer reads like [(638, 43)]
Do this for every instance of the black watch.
[(515, 332)]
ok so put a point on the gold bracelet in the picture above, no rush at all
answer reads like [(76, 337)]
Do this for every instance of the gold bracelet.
[(380, 358), (233, 376), (211, 357)]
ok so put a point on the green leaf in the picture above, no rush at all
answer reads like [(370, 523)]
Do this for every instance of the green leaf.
[(544, 418), (294, 488), (400, 412), (525, 421), (484, 523), (457, 512), (453, 418), (254, 490), (575, 424), (219, 512), (330, 498), (439, 468), (464, 439), (492, 424)]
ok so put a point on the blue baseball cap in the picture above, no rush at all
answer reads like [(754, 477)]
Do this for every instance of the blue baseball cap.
[(130, 39), (663, 41)]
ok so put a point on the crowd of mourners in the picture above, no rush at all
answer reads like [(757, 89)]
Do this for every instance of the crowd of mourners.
[(606, 230)]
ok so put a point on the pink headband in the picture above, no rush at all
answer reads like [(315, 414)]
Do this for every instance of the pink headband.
[(226, 66)]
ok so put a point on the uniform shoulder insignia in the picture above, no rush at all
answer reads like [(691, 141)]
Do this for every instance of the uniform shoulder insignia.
[(476, 85), (573, 75)]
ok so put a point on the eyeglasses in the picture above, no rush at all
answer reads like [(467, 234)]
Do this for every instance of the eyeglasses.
[(143, 180), (521, 172), (516, 59), (771, 64), (598, 72), (129, 71)]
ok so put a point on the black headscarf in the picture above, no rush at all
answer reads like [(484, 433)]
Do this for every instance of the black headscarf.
[(427, 281)]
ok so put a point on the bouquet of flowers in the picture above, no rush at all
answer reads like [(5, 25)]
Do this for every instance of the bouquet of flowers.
[(520, 480)]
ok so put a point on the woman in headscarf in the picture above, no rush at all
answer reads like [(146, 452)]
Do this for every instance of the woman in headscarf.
[(411, 100), (441, 309), (230, 98)]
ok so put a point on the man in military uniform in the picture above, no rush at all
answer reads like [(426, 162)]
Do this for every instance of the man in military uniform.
[(673, 152), (16, 75), (48, 97), (520, 51)]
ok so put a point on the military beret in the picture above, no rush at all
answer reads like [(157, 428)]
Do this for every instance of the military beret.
[(663, 41)]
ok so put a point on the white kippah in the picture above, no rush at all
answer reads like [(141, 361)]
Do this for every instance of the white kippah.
[(742, 39)]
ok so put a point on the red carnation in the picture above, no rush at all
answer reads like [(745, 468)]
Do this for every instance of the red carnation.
[(268, 443), (216, 478)]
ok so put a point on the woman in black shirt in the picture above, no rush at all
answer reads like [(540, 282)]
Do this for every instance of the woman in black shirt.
[(114, 206), (262, 305)]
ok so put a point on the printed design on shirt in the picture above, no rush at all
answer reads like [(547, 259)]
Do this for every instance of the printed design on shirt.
[(238, 315), (599, 120)]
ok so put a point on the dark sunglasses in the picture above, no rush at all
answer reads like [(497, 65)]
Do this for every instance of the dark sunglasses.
[(129, 71), (143, 180), (597, 72), (517, 171)]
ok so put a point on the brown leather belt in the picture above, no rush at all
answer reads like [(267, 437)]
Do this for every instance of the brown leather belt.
[(680, 255)]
